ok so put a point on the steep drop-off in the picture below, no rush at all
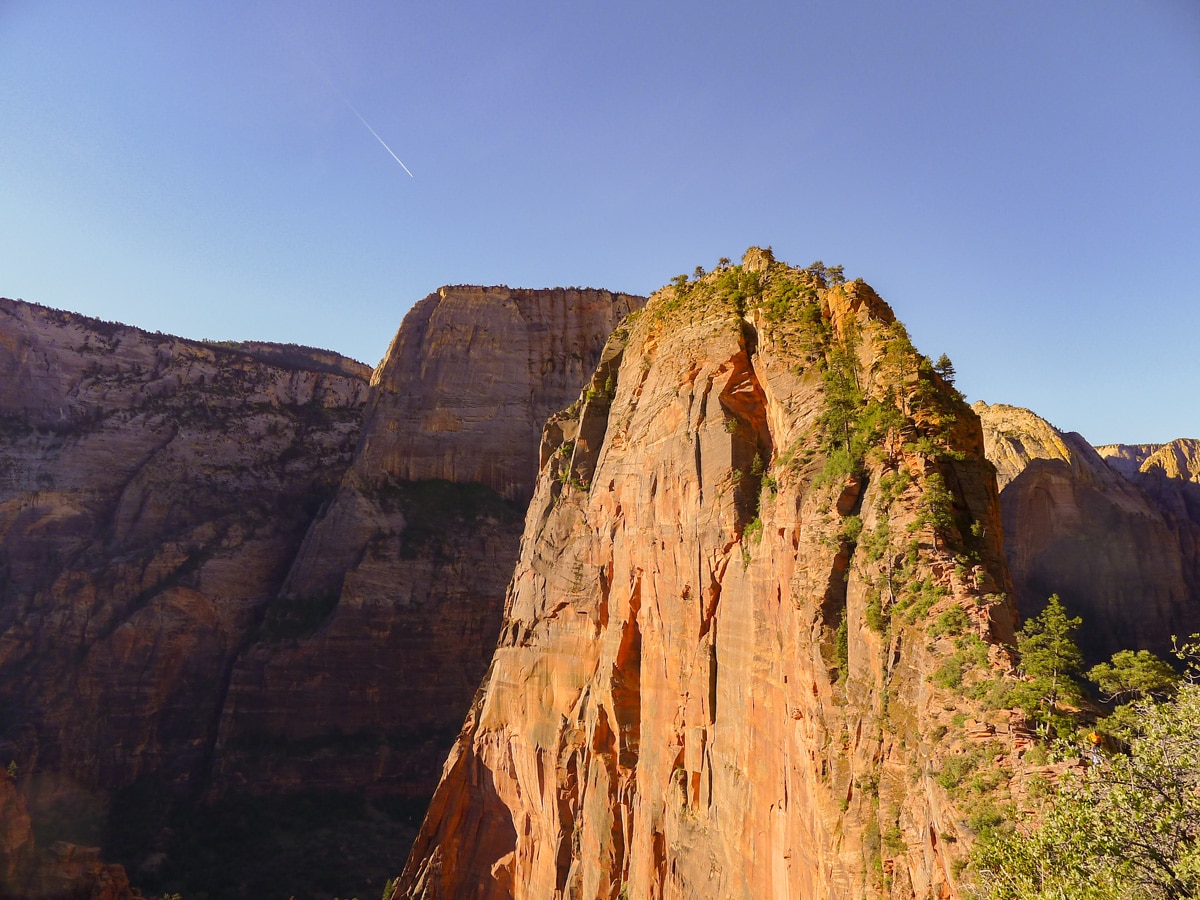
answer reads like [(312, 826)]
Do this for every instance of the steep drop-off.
[(153, 492), (62, 871), (761, 571), (1115, 532), (244, 586), (416, 547)]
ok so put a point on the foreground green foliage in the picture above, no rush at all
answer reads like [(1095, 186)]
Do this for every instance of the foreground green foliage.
[(1128, 827), (1053, 668)]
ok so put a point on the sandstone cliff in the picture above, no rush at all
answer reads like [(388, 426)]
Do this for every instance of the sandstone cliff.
[(1169, 474), (153, 492), (60, 872), (416, 548), (1111, 532), (219, 577), (1180, 459), (760, 574)]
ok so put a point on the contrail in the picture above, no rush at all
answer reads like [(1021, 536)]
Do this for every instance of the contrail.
[(376, 134)]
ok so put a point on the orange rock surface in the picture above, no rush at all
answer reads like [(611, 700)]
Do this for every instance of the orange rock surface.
[(713, 676), (255, 568), (60, 872)]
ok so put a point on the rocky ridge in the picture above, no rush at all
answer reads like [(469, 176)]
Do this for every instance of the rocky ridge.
[(761, 572), (1180, 459), (1114, 531)]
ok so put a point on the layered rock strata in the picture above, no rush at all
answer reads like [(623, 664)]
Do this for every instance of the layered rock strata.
[(714, 673), (261, 568), (1115, 532), (61, 872), (416, 547), (153, 493)]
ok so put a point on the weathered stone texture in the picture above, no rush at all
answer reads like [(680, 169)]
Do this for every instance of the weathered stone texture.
[(219, 577), (417, 546), (666, 714)]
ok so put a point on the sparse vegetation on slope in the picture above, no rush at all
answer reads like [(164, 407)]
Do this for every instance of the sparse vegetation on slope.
[(1124, 822)]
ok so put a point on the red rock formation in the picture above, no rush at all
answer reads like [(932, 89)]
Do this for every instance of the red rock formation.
[(417, 546), (713, 675), (1115, 541), (153, 494), (203, 603)]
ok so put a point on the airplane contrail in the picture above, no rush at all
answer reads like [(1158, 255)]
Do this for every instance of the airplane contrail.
[(376, 135)]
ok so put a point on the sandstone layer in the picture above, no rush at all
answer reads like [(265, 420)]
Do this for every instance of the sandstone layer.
[(714, 673), (1115, 532), (62, 871), (153, 493)]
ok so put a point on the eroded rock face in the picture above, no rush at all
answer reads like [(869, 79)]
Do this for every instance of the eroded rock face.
[(473, 375), (713, 675), (417, 546), (213, 587), (1111, 531), (153, 493), (61, 872)]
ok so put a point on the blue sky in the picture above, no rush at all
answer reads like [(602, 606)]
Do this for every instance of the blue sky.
[(1020, 180)]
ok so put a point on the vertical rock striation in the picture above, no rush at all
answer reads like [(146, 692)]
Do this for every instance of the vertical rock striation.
[(153, 492), (61, 872), (220, 577), (713, 676)]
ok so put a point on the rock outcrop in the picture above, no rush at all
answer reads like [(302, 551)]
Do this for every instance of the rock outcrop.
[(61, 872), (153, 492), (760, 569), (1115, 532), (1180, 459), (235, 569), (416, 548)]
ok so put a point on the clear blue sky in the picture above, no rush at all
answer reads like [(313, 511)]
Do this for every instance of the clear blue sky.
[(1021, 180)]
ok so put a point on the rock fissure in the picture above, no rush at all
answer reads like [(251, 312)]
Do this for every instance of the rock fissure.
[(793, 565)]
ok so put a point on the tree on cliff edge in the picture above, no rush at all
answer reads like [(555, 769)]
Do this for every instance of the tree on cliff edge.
[(1052, 666)]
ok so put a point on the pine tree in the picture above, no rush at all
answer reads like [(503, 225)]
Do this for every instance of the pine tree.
[(945, 369), (1052, 666)]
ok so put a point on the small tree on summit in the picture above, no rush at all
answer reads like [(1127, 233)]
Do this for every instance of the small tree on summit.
[(945, 369)]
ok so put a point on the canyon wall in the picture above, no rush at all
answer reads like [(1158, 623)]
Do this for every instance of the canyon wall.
[(416, 547), (62, 870), (760, 582), (153, 493), (262, 569), (1114, 531)]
